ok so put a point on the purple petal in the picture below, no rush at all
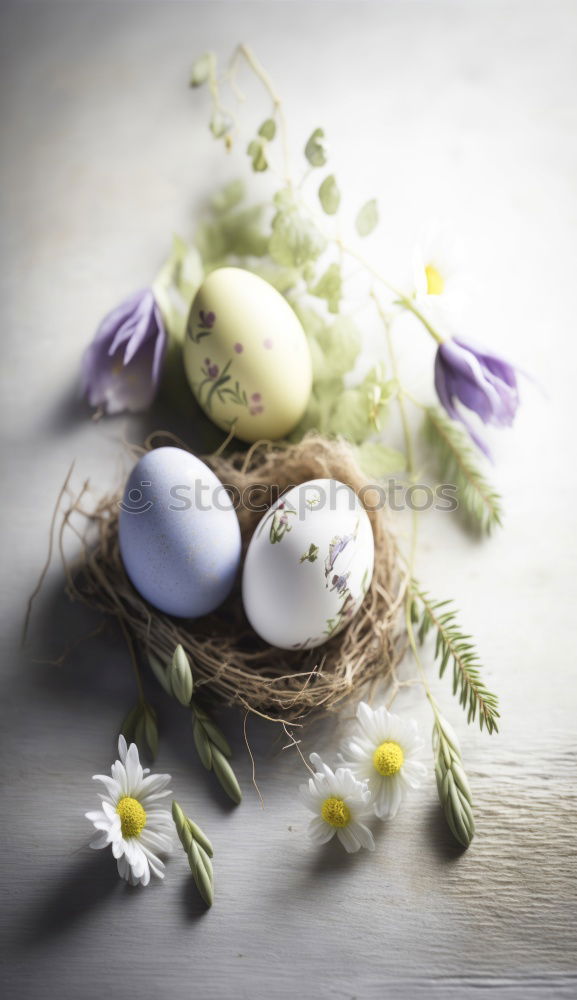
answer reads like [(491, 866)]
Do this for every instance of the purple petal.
[(121, 367)]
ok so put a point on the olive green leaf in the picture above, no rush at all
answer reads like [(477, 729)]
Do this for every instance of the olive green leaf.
[(202, 873), (378, 461), (257, 152), (295, 240), (202, 69), (330, 287), (180, 676), (268, 129), (213, 749), (452, 784), (200, 837), (232, 234), (202, 744), (315, 149), (220, 124), (329, 195), (340, 344), (225, 775), (228, 197), (360, 409), (159, 672), (367, 218), (198, 850)]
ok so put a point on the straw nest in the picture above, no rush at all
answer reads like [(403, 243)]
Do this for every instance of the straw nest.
[(230, 663)]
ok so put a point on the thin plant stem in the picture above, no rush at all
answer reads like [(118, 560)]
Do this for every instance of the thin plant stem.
[(260, 72), (133, 659)]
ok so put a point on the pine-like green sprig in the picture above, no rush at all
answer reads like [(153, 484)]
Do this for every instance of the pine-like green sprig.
[(456, 647), (452, 785), (480, 503), (198, 850)]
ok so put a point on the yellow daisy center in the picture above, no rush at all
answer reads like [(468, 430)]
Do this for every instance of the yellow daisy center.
[(435, 280), (132, 816), (336, 812), (388, 758)]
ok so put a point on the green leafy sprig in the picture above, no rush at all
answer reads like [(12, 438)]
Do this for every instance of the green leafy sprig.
[(198, 850), (452, 785), (211, 744), (457, 462), (454, 646), (214, 751)]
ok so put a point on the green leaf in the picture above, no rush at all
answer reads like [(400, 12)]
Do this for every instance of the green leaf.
[(315, 149), (159, 672), (199, 851), (340, 344), (457, 463), (232, 235), (228, 197), (350, 418), (202, 69), (129, 723), (226, 775), (295, 239), (257, 152), (151, 730), (329, 195), (180, 676), (330, 287), (220, 124), (452, 785), (211, 729), (359, 410), (202, 744), (200, 837), (268, 129), (367, 218), (378, 461), (201, 874)]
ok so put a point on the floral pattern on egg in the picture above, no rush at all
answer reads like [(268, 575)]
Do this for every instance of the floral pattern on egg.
[(283, 594), (250, 378)]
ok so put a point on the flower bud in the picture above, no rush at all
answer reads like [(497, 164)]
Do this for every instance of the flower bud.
[(180, 676)]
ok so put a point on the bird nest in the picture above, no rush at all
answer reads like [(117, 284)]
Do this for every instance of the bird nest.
[(229, 660)]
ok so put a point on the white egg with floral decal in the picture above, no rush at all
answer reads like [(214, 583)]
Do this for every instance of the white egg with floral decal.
[(308, 565), (246, 356)]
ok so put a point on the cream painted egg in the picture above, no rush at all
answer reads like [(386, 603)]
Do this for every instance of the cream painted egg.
[(246, 356), (309, 565)]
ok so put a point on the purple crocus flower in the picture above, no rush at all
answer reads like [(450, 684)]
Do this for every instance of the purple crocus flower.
[(121, 367), (480, 381)]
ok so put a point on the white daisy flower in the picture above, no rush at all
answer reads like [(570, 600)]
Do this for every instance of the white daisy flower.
[(439, 285), (132, 819), (383, 754), (340, 804)]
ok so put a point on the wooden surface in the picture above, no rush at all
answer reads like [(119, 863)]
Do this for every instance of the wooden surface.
[(461, 111)]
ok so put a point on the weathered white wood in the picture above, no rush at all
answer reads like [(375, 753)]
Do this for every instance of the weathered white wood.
[(461, 111)]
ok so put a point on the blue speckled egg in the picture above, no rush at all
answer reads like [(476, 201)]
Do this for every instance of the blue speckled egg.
[(179, 534)]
